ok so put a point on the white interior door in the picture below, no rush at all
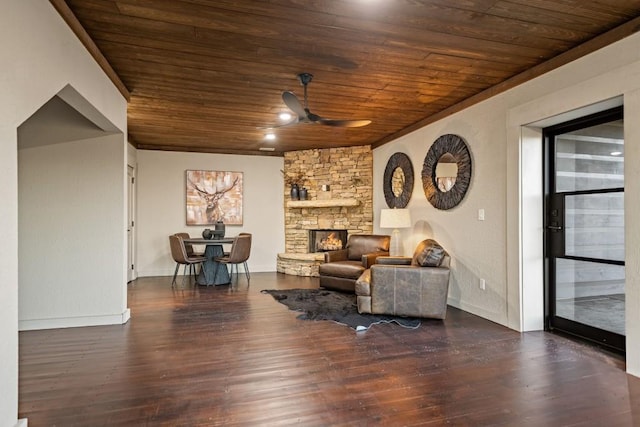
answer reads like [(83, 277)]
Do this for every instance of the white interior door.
[(130, 224)]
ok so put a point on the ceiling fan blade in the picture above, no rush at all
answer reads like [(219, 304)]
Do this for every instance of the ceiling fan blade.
[(289, 123), (344, 123), (292, 102), (312, 117)]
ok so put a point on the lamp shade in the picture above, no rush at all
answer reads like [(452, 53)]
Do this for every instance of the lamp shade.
[(395, 218)]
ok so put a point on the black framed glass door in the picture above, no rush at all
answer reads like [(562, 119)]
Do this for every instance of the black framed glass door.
[(584, 228)]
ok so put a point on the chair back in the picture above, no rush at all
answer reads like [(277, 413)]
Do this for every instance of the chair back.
[(178, 251), (360, 244), (241, 248), (187, 246)]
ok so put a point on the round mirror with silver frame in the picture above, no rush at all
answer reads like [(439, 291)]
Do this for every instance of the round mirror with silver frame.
[(446, 172), (398, 181)]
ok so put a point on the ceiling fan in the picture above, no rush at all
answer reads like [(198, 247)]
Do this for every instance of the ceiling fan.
[(304, 115)]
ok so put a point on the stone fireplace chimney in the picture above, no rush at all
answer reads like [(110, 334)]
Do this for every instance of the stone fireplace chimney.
[(348, 172)]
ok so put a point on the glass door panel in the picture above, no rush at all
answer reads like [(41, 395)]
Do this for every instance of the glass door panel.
[(590, 293), (594, 225)]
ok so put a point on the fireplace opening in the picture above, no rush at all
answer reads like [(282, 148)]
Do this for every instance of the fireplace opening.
[(327, 240)]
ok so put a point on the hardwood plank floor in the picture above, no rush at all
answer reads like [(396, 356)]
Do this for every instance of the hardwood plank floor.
[(232, 356)]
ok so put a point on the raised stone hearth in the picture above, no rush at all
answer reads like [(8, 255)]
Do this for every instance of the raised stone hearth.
[(300, 264), (348, 205)]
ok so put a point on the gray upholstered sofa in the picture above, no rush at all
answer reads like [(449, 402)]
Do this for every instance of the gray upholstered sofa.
[(403, 286), (342, 267)]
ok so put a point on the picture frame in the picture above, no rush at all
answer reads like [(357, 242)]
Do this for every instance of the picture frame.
[(213, 196)]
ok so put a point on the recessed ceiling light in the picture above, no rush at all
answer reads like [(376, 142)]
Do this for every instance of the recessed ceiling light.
[(267, 149), (616, 153), (285, 116), (270, 136)]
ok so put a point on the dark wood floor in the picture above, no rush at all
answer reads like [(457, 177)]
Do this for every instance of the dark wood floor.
[(235, 357)]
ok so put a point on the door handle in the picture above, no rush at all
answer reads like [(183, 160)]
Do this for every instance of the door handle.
[(554, 227)]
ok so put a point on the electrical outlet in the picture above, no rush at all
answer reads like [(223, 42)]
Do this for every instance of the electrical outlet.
[(480, 214), (482, 284)]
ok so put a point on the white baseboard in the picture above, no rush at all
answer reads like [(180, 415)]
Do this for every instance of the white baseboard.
[(478, 311), (22, 422), (126, 315), (74, 322)]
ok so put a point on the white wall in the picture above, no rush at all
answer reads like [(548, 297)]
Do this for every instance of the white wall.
[(477, 247), (161, 206), (70, 214), (499, 248), (36, 65)]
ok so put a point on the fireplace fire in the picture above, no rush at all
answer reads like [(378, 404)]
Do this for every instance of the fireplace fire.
[(327, 240), (329, 243)]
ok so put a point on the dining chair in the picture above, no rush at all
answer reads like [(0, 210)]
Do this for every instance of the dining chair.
[(179, 254), (239, 234), (239, 254), (189, 249)]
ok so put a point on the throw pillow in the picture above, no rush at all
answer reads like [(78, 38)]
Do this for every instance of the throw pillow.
[(428, 254)]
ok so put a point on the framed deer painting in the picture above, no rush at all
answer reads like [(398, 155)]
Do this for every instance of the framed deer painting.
[(214, 196)]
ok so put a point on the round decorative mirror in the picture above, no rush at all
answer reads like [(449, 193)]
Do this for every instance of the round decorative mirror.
[(446, 172), (398, 181)]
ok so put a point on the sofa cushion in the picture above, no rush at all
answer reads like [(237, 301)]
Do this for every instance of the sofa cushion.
[(344, 269), (428, 253)]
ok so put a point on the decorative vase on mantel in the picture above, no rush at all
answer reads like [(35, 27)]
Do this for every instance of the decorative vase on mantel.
[(295, 192), (303, 193)]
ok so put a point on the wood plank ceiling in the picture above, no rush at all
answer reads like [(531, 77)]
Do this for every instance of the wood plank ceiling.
[(208, 75)]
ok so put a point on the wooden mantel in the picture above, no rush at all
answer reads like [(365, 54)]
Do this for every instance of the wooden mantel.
[(329, 203)]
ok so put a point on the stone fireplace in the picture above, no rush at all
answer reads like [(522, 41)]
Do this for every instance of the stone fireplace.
[(347, 206)]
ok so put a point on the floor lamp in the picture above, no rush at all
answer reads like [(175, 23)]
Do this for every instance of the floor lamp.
[(395, 218)]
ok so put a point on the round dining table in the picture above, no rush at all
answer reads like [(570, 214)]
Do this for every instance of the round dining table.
[(212, 272)]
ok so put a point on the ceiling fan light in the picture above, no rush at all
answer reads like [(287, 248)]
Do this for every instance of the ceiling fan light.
[(285, 116)]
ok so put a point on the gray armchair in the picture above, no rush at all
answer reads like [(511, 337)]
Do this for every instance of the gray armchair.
[(414, 287), (342, 268)]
